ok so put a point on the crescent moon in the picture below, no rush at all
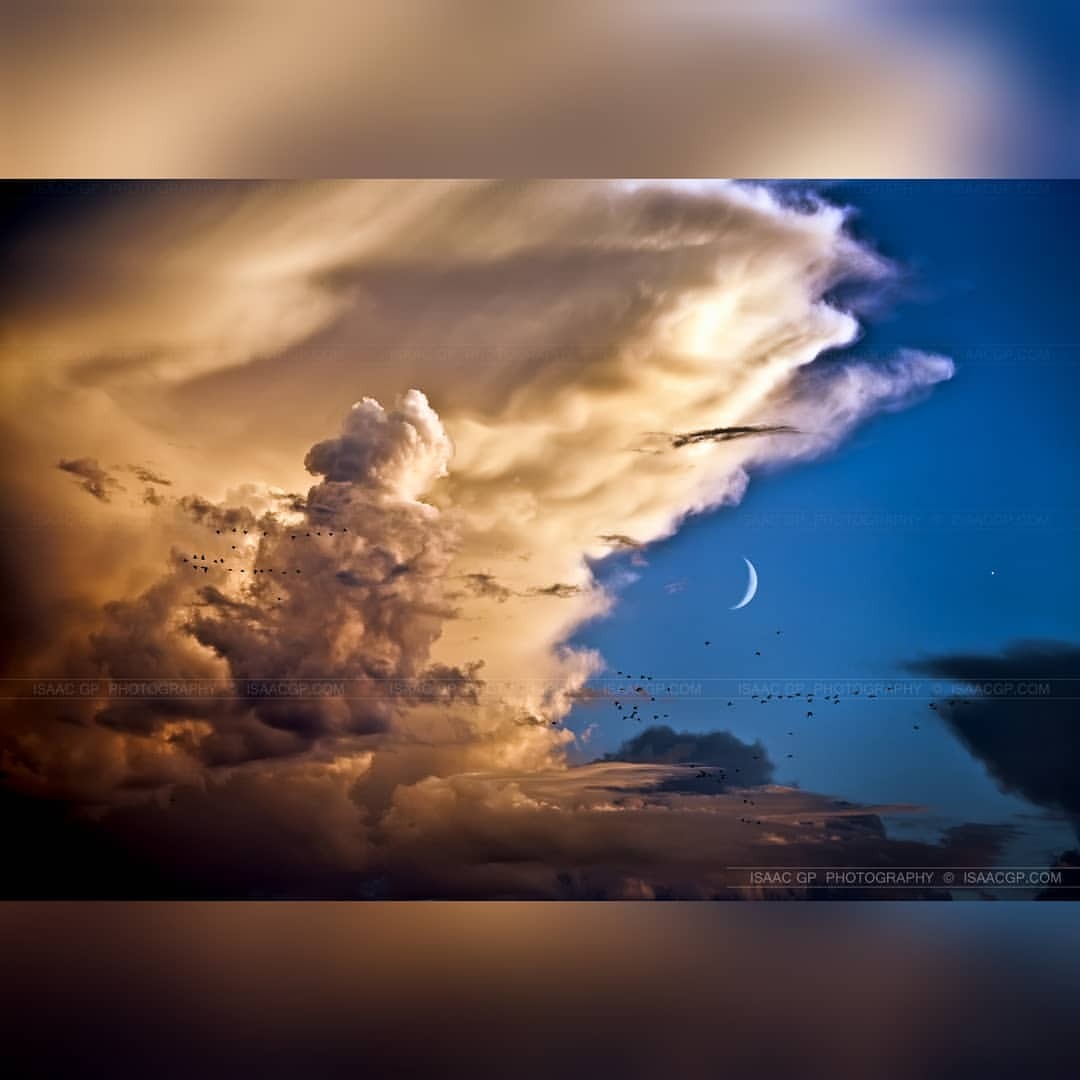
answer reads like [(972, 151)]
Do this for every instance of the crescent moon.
[(751, 588)]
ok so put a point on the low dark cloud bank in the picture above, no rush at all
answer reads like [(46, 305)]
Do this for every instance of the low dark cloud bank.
[(725, 759), (1017, 712)]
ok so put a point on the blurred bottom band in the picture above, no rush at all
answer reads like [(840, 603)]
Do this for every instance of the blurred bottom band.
[(538, 990)]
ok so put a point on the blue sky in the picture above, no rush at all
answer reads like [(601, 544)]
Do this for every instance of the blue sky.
[(948, 527)]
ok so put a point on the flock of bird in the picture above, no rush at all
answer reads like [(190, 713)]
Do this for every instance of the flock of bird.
[(198, 560), (645, 689), (763, 699)]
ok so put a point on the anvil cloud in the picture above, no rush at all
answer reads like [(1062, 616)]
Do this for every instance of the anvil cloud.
[(509, 349)]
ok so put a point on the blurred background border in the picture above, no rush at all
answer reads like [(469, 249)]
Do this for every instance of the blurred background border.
[(115, 88), (540, 88)]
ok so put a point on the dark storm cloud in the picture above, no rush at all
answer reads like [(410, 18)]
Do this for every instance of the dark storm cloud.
[(387, 577), (618, 540), (444, 684), (730, 760), (1068, 861), (148, 476), (486, 585), (725, 434), (603, 831), (1015, 711), (93, 478), (204, 512), (558, 590), (616, 830)]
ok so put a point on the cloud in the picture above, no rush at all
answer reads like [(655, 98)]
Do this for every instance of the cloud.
[(340, 588), (558, 590), (401, 452), (486, 585), (715, 89), (614, 829), (362, 599), (724, 434), (1013, 711), (732, 761), (94, 479), (618, 540), (1069, 862), (293, 828), (148, 476)]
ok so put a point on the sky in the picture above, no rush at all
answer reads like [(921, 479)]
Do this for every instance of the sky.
[(387, 482), (948, 527)]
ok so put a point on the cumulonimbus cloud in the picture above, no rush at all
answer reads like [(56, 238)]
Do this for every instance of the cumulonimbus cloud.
[(506, 345)]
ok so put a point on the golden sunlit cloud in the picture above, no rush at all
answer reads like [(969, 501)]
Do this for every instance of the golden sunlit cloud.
[(369, 440), (558, 88)]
